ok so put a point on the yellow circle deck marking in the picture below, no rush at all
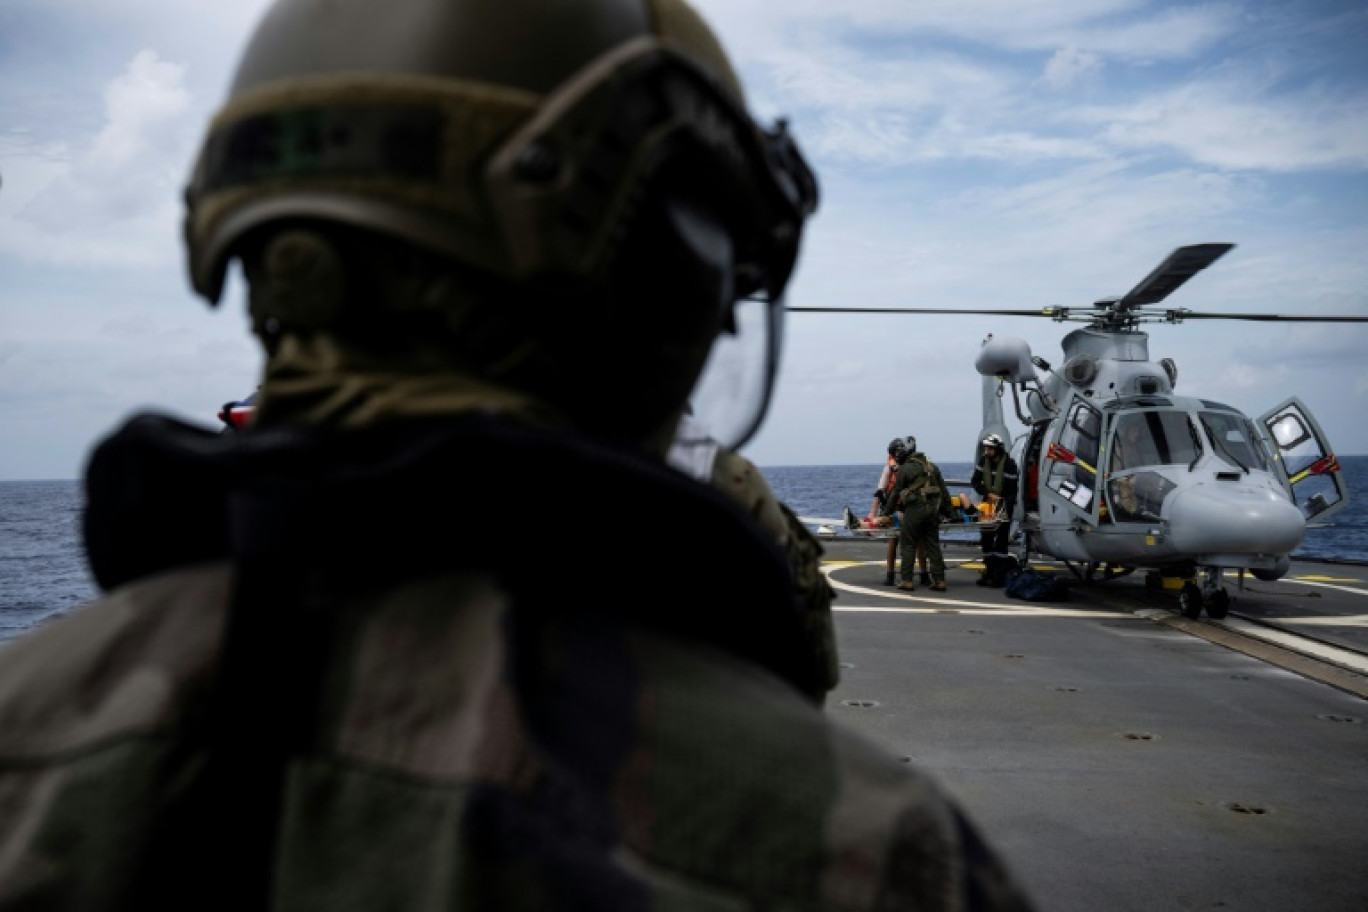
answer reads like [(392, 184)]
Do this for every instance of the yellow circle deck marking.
[(939, 603)]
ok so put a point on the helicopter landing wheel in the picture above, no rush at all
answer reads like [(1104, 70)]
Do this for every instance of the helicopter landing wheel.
[(1218, 604), (1190, 601)]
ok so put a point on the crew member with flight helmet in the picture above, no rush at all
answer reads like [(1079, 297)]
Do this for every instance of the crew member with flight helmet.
[(996, 478), (883, 491), (473, 233), (883, 504), (925, 500)]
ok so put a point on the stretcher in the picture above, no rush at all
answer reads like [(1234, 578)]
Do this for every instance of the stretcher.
[(970, 520)]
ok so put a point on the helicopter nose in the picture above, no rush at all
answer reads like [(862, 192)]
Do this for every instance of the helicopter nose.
[(1234, 520)]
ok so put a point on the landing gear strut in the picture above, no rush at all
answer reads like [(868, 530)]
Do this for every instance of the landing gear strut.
[(1190, 601), (1211, 595)]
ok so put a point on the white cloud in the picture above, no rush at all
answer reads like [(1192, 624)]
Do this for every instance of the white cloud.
[(877, 84), (991, 154), (21, 146), (140, 104), (1136, 29), (869, 137), (1231, 124), (117, 200), (1068, 66), (1154, 33)]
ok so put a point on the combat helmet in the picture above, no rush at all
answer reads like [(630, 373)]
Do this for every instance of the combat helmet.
[(518, 138)]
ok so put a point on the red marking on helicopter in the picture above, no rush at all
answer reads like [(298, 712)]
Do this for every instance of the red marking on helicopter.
[(1326, 466)]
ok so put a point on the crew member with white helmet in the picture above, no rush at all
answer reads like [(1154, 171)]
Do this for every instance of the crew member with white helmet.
[(996, 478)]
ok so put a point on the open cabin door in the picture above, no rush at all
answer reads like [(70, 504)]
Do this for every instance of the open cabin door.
[(1303, 460), (1072, 483)]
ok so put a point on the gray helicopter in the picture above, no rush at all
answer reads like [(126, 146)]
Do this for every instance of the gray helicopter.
[(1119, 472)]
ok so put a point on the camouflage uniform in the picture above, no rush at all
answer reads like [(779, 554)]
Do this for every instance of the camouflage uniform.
[(737, 477), (324, 675), (299, 698), (925, 500), (697, 454)]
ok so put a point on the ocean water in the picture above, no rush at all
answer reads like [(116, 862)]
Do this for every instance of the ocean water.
[(43, 572), (42, 567)]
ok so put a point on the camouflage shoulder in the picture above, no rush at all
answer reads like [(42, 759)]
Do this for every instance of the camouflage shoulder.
[(67, 685), (739, 478)]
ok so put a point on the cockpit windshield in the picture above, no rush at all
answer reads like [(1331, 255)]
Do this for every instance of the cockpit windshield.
[(1234, 440), (1153, 438)]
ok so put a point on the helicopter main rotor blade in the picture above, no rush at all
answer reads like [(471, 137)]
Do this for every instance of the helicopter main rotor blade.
[(1063, 313), (1178, 316), (1181, 265), (1046, 312)]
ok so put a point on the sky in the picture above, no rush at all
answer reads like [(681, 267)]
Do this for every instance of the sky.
[(975, 154)]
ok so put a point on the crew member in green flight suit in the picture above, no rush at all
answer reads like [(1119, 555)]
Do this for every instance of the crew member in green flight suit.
[(925, 499)]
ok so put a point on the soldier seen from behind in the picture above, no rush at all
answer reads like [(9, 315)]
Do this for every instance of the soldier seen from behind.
[(324, 673)]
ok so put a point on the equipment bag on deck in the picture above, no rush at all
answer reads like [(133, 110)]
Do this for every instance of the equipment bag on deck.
[(1033, 586), (997, 569)]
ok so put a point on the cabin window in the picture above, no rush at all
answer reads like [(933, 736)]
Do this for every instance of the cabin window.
[(1073, 457), (1153, 438), (1311, 469), (1234, 440), (1289, 431)]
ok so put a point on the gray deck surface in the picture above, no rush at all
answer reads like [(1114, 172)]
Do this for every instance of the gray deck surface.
[(1118, 757)]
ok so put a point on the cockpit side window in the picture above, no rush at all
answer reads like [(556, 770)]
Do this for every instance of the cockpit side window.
[(1153, 438), (1234, 439)]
